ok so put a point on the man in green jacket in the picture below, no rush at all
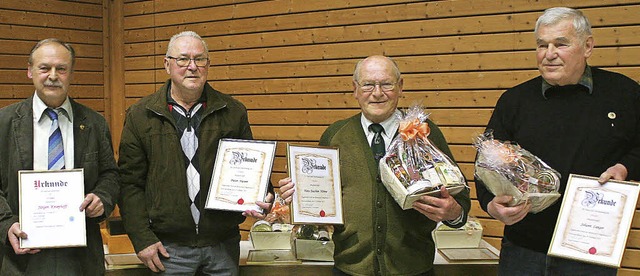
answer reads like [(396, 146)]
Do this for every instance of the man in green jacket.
[(378, 237), (168, 146)]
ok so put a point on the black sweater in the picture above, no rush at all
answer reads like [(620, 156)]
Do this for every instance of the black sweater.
[(571, 130)]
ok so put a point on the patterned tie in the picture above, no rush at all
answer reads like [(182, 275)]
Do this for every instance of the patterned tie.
[(377, 143), (56, 149)]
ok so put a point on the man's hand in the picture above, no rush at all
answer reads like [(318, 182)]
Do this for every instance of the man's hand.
[(499, 210), (286, 189), (14, 234), (149, 256), (92, 205), (266, 206), (617, 172), (438, 209)]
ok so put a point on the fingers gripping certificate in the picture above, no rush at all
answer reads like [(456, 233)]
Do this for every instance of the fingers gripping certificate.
[(240, 175), (318, 192), (594, 220), (50, 208)]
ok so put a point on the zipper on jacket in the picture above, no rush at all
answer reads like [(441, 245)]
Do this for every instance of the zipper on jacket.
[(188, 115), (204, 115)]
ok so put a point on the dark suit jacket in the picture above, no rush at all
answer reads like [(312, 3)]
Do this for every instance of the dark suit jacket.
[(92, 151)]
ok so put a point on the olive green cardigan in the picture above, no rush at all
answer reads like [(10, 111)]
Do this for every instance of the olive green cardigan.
[(378, 237)]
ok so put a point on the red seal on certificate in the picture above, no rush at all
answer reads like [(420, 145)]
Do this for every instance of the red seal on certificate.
[(322, 213), (240, 201), (593, 250)]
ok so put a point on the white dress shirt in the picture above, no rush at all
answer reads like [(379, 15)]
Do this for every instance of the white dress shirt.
[(41, 127), (390, 126)]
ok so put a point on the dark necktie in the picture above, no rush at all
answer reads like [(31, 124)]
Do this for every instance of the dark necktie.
[(377, 143), (56, 149)]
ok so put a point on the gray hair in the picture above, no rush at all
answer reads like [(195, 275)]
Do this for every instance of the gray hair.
[(396, 70), (186, 33), (53, 41), (553, 16)]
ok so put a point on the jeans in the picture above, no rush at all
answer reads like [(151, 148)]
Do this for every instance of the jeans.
[(219, 259), (516, 260)]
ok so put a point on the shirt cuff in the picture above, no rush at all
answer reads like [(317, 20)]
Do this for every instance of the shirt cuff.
[(457, 220)]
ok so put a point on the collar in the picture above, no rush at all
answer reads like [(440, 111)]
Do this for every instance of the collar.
[(39, 106), (171, 102), (586, 80), (390, 125)]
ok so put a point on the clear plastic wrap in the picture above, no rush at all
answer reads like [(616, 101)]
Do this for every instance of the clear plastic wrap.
[(279, 211), (274, 232), (413, 163), (507, 169)]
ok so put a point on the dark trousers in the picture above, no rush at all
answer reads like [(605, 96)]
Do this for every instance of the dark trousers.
[(338, 272), (516, 260)]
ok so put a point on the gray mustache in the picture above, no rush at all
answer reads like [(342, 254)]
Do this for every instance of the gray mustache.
[(54, 84)]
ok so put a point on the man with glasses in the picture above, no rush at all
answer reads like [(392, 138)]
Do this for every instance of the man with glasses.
[(378, 237), (168, 147), (51, 131)]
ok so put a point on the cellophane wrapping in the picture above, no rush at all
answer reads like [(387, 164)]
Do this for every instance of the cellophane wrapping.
[(279, 211), (415, 162), (506, 168)]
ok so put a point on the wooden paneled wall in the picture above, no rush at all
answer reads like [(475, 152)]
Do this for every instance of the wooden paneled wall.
[(290, 62), (24, 22)]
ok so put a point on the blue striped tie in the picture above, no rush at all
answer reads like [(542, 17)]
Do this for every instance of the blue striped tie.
[(56, 149)]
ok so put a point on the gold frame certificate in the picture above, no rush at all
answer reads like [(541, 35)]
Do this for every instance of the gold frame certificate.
[(318, 192), (50, 208), (594, 220), (240, 174)]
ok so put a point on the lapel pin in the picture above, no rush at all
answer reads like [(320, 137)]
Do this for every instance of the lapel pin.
[(82, 126), (611, 115)]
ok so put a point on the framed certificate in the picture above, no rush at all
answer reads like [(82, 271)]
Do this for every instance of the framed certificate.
[(240, 174), (318, 192), (594, 220), (50, 208)]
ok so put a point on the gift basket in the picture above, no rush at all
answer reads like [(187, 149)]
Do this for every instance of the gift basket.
[(274, 232), (314, 242), (413, 166), (508, 169), (467, 236)]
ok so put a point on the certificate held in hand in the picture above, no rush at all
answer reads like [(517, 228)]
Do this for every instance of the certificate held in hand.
[(594, 220), (240, 175), (50, 208), (318, 192)]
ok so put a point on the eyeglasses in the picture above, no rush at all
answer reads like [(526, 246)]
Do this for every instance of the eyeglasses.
[(370, 86), (184, 61)]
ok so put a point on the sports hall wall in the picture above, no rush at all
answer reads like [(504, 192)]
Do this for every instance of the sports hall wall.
[(290, 62)]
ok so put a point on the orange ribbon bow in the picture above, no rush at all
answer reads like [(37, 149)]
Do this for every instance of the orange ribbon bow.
[(409, 130)]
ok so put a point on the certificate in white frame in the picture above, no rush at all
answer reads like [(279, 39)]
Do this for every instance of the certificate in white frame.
[(594, 220), (240, 174), (318, 191), (50, 208)]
